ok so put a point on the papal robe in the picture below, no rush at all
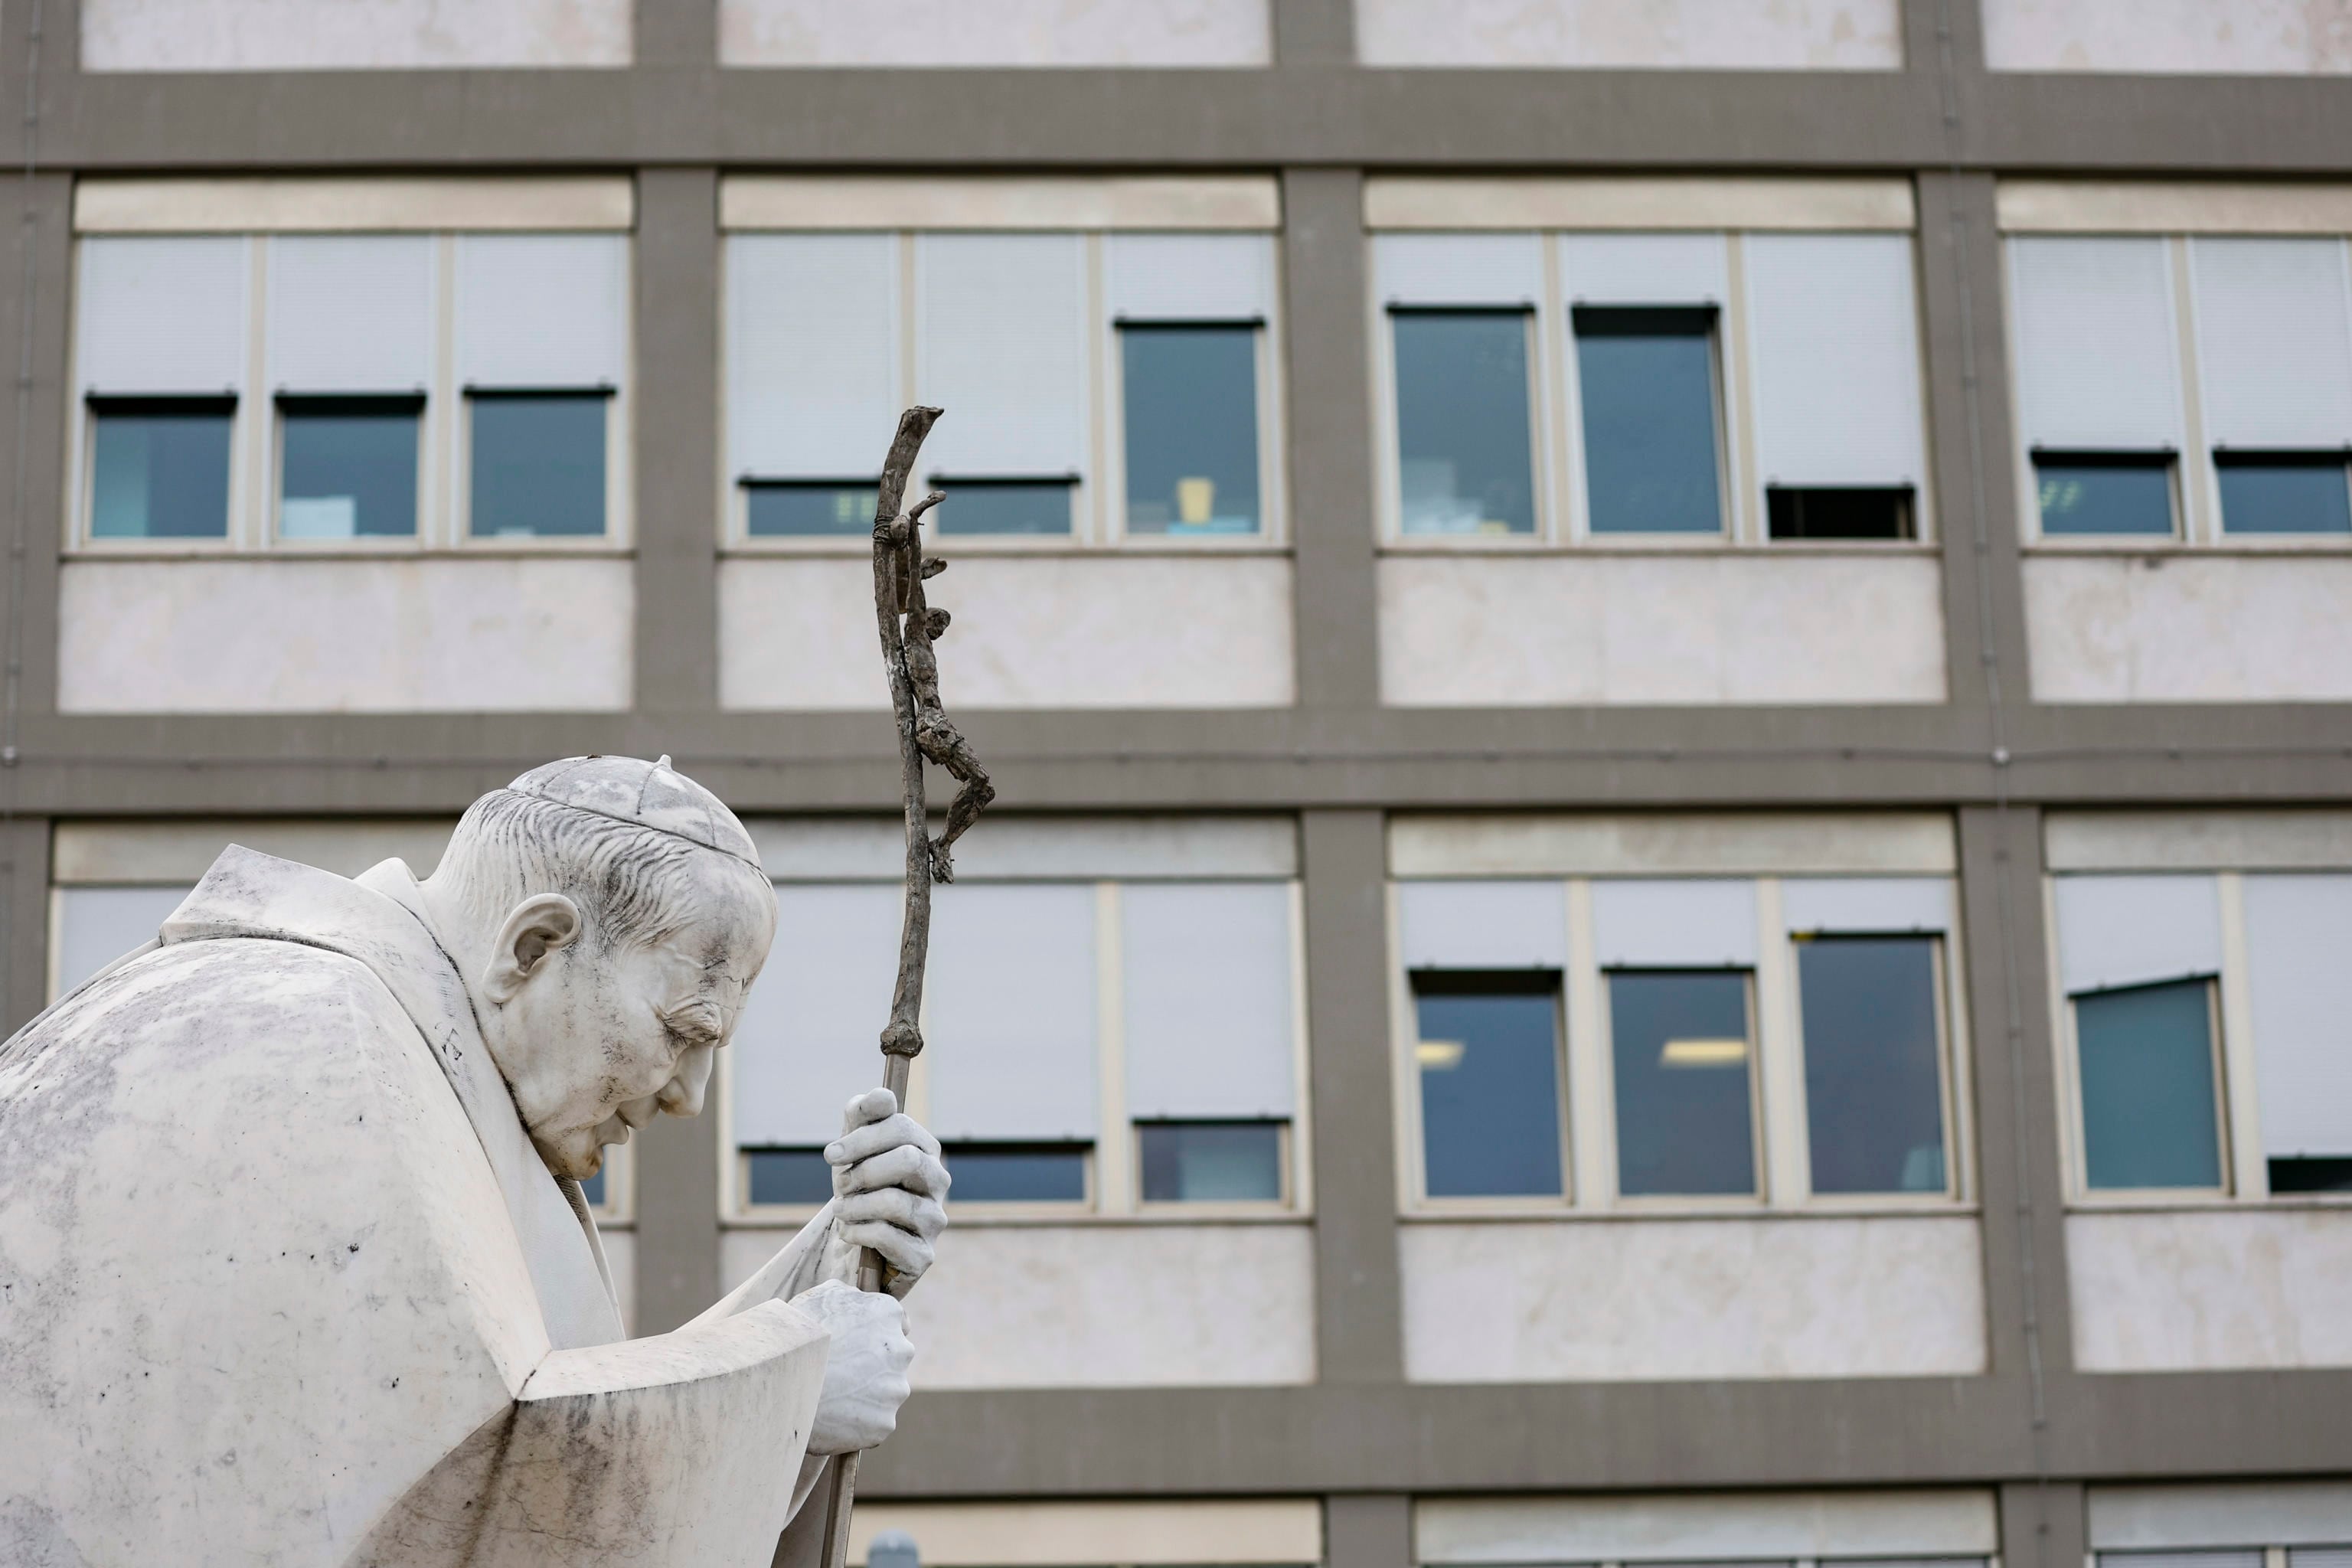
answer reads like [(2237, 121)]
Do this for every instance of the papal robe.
[(284, 1281)]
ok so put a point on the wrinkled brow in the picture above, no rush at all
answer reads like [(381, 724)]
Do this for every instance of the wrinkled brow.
[(698, 1023)]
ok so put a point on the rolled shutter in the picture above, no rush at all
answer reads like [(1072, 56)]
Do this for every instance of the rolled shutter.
[(1836, 336), (350, 313), (810, 1037), (2098, 364), (812, 353), (2136, 931), (1483, 925), (1207, 999), (1471, 270), (2274, 342), (542, 310), (1682, 923), (1189, 277), (1012, 1025), (1865, 904), (158, 315), (1644, 269), (2299, 979), (1002, 347)]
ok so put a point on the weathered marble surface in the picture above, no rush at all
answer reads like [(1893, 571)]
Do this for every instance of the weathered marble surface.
[(2248, 37), (1001, 32), (2187, 1289), (305, 35), (1785, 35), (2176, 627)]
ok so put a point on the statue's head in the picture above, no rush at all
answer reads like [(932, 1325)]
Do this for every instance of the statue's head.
[(614, 915)]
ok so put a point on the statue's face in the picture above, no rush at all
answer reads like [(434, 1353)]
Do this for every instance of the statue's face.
[(601, 1039)]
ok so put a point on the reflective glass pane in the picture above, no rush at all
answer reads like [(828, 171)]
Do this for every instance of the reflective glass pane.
[(2284, 495), (591, 1190), (1017, 1172), (1874, 1091), (160, 471), (1489, 1067), (2098, 495), (809, 508), (538, 466), (1210, 1161), (2147, 1056), (789, 1176), (349, 471), (1681, 1051), (999, 506), (1647, 381), (1191, 429), (1465, 456)]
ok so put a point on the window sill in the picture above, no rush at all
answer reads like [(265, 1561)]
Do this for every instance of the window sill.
[(2153, 547), (2202, 1203), (1491, 1213), (1713, 545), (390, 550), (1031, 1216), (953, 547)]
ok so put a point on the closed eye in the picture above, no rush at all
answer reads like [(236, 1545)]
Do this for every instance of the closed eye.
[(694, 1026)]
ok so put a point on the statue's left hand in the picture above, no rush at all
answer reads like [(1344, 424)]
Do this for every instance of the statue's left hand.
[(890, 1187)]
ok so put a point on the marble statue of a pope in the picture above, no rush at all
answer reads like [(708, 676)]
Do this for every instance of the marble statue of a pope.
[(294, 1264)]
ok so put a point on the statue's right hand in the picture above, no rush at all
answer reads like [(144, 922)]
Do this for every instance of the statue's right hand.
[(866, 1370)]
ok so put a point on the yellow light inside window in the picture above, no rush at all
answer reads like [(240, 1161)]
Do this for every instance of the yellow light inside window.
[(1703, 1054), (1439, 1056)]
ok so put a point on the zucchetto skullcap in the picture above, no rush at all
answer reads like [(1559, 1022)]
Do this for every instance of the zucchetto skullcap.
[(648, 794)]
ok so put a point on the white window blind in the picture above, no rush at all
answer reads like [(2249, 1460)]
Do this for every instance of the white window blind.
[(812, 353), (810, 1037), (161, 315), (1206, 972), (2274, 342), (542, 310), (1002, 347), (1011, 1017), (1644, 269), (2098, 365), (350, 313), (2136, 931), (1458, 268), (1865, 904), (1694, 923), (1189, 277), (1483, 925), (2299, 984), (1835, 334), (98, 925)]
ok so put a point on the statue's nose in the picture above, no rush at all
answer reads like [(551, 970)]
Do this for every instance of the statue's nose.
[(682, 1095)]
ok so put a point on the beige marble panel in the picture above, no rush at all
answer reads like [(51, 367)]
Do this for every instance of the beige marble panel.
[(383, 35), (2244, 37), (1753, 34), (1103, 1306), (2182, 1290), (1719, 627), (2180, 628), (1001, 32), (347, 635), (1636, 1299), (1030, 631)]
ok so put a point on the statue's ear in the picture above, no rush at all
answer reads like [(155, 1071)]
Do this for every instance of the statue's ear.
[(533, 929)]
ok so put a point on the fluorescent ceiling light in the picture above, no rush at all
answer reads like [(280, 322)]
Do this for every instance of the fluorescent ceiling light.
[(1703, 1054), (1443, 1055)]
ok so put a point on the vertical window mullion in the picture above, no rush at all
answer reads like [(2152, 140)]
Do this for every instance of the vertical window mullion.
[(1114, 1135), (1735, 377), (2199, 499), (1779, 1036), (1099, 499), (1592, 1141), (252, 486), (2235, 1072)]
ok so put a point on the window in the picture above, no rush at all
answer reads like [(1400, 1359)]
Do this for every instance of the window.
[(2104, 492), (159, 467), (2148, 1114), (1191, 426), (1873, 1063), (1610, 385), (2283, 493), (362, 342), (537, 464), (1647, 380), (1463, 425), (1177, 990), (2201, 1064), (1676, 1050), (1487, 1057), (347, 467), (1039, 345)]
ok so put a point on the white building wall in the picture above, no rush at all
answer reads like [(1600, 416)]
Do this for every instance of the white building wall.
[(2246, 38), (2175, 628), (1030, 631), (1525, 631), (1098, 1306), (2185, 1289), (1753, 34), (1629, 1301), (1000, 33), (345, 636), (384, 35)]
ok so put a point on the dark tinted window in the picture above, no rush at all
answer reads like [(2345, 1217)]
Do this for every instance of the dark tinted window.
[(1017, 1172), (347, 468), (1488, 1058), (1210, 1161), (159, 467), (1191, 394), (1465, 443), (1874, 1086), (810, 508), (1646, 378), (2147, 1056), (538, 465), (1682, 1052), (2283, 493), (1000, 506), (789, 1176), (2103, 493)]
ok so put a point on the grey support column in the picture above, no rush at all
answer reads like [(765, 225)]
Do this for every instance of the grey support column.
[(1357, 1321), (2043, 1524), (24, 920), (35, 295), (2019, 1176), (1374, 1531), (1975, 490), (1314, 32), (677, 655), (676, 404), (1331, 437), (678, 34)]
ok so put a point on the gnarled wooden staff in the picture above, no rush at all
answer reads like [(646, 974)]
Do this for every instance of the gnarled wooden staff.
[(909, 627)]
